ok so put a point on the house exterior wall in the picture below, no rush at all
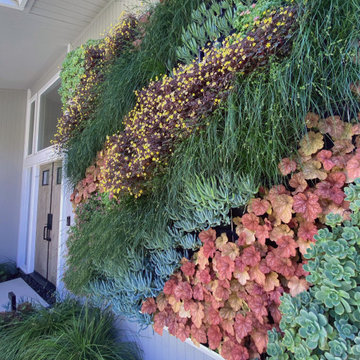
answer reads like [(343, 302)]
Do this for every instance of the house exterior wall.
[(12, 130)]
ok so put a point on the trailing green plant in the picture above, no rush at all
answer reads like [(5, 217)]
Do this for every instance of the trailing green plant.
[(72, 71), (324, 323), (154, 55), (66, 331)]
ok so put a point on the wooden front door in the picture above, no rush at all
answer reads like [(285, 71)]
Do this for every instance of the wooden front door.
[(48, 215)]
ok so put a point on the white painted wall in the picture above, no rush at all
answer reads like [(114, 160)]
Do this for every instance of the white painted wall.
[(12, 130)]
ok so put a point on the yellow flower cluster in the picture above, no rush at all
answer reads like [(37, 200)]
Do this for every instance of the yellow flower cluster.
[(171, 108)]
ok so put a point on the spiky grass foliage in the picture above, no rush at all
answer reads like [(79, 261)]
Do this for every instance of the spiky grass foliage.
[(67, 331), (133, 70), (323, 64)]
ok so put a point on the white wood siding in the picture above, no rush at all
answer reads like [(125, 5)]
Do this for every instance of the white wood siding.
[(12, 129)]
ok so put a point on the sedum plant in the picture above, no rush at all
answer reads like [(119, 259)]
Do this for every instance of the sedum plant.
[(324, 323)]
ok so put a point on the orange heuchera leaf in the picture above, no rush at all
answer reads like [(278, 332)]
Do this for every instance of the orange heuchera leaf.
[(161, 301), (188, 268), (298, 182), (224, 266), (201, 259), (148, 306), (241, 276), (198, 292), (325, 157), (297, 285), (235, 301), (303, 245), (311, 170), (262, 233), (227, 313), (207, 235), (228, 326), (159, 322), (183, 291), (260, 339), (182, 331), (209, 249), (170, 286), (246, 236), (258, 307), (221, 241), (198, 334), (243, 326), (231, 250), (287, 166), (353, 168), (233, 351), (286, 247), (283, 266), (271, 281), (282, 206), (307, 230), (214, 336), (342, 147), (308, 205), (326, 190), (220, 292), (198, 315), (332, 126), (311, 120), (183, 313), (250, 221), (311, 143), (258, 206), (257, 275), (250, 256), (279, 231), (204, 276)]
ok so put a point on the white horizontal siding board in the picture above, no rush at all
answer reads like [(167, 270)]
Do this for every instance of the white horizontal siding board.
[(75, 12), (70, 6), (73, 19), (110, 15)]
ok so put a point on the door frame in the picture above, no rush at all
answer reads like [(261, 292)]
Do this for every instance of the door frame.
[(29, 194)]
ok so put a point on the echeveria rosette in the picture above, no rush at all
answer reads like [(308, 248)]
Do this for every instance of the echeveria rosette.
[(313, 329), (338, 350), (345, 329)]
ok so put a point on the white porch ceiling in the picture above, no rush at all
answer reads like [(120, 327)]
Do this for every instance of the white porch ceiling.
[(31, 40)]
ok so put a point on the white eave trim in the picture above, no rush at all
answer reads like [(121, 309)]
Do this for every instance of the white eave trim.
[(14, 4)]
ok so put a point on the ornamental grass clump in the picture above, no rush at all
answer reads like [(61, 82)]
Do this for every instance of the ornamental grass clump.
[(66, 331)]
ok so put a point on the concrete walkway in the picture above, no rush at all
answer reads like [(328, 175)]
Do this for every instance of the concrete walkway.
[(22, 291)]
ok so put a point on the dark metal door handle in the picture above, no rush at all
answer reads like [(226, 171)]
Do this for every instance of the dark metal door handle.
[(46, 233)]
